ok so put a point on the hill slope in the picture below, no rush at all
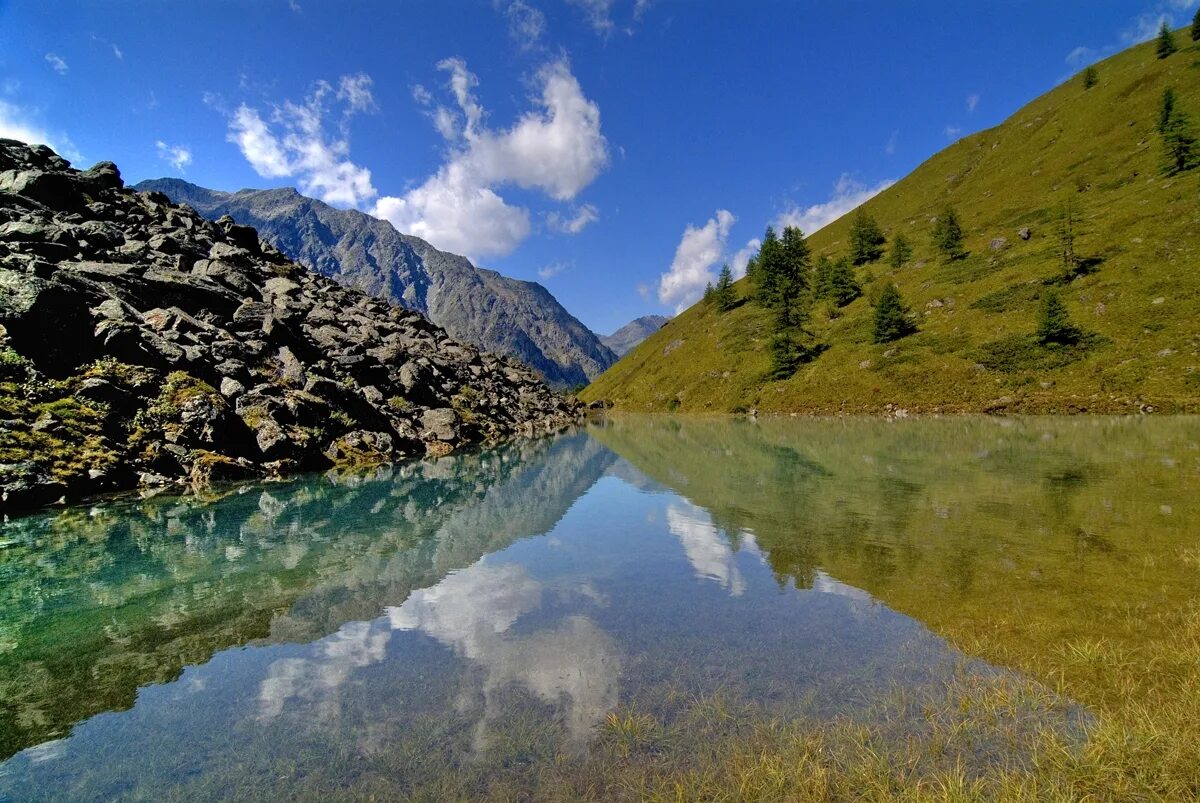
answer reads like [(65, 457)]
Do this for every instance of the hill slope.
[(481, 307), (1097, 147), (629, 336)]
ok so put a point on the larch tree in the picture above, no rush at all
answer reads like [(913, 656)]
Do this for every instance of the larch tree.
[(1166, 41), (893, 320), (866, 239)]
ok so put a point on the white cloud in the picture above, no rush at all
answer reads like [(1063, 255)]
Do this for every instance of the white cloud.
[(558, 149), (598, 14), (1145, 27), (889, 147), (972, 102), (1081, 57), (355, 91), (526, 24), (738, 262), (178, 156), (698, 251), (640, 8), (57, 63), (422, 95), (552, 270), (848, 194), (454, 211), (953, 131), (248, 131), (117, 52), (15, 123), (585, 215), (302, 148)]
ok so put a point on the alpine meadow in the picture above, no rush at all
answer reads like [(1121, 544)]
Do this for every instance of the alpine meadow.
[(1087, 193)]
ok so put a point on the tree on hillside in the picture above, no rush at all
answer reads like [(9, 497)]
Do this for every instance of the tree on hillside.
[(1054, 325), (765, 266), (1066, 239), (892, 318), (1166, 41), (901, 252), (785, 284), (866, 239), (1166, 108), (792, 282), (1196, 27), (948, 234), (1091, 77), (709, 292), (822, 271), (1179, 143), (723, 295), (841, 287)]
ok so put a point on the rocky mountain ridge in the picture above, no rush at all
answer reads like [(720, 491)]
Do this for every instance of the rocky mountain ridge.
[(630, 336), (494, 312), (144, 345)]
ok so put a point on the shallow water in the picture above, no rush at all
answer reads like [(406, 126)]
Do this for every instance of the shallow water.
[(474, 624)]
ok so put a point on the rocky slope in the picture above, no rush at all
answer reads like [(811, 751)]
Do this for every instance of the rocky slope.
[(629, 336), (498, 314), (143, 345)]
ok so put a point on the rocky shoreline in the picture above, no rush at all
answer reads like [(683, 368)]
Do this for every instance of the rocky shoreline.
[(143, 346)]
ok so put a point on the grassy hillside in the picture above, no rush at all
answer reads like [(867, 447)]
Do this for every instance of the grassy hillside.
[(1098, 148)]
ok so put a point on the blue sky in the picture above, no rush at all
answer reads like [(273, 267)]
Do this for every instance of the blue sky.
[(615, 150)]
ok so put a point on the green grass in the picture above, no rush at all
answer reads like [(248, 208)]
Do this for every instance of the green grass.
[(1137, 232)]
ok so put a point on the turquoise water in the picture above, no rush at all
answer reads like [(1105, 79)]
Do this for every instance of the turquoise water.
[(475, 620)]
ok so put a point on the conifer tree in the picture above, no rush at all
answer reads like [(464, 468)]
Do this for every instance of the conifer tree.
[(709, 292), (784, 267), (892, 318), (766, 267), (822, 273), (790, 280), (900, 253), (1066, 239), (948, 234), (1090, 77), (1166, 41), (842, 288), (866, 239), (785, 354), (1166, 109), (1196, 27), (1179, 143), (1054, 325), (723, 296)]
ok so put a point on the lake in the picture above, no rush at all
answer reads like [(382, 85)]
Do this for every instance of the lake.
[(648, 608)]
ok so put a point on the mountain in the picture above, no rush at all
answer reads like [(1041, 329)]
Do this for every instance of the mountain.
[(142, 345), (625, 339), (1133, 288), (498, 314)]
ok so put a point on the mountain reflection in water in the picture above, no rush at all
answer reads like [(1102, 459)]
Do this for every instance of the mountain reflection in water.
[(460, 620)]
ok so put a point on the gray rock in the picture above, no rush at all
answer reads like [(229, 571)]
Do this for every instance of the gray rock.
[(171, 300), (440, 423), (481, 307)]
